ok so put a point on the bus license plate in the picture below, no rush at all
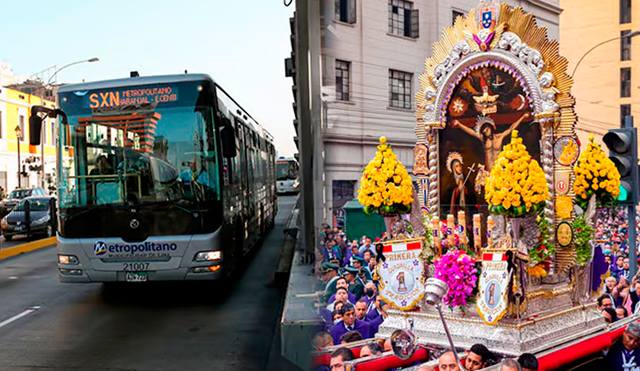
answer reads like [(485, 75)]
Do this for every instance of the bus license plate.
[(136, 277)]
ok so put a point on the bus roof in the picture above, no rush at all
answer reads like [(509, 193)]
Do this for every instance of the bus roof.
[(135, 81)]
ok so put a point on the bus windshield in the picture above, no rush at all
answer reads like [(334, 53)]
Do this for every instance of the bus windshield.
[(286, 170), (137, 151)]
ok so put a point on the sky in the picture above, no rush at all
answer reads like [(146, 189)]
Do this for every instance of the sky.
[(241, 44)]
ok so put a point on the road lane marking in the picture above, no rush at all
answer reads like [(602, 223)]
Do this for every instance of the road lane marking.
[(13, 278), (18, 316)]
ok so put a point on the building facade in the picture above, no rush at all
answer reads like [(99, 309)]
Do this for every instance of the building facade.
[(592, 34), (372, 54), (15, 109)]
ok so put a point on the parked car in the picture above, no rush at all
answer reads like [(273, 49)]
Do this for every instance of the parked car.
[(18, 195), (39, 218)]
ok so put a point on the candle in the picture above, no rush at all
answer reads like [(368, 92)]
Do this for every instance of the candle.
[(462, 226), (435, 227), (450, 229), (477, 237), (490, 225)]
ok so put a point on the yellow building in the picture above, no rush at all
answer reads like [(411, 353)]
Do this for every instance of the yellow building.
[(604, 88), (15, 109)]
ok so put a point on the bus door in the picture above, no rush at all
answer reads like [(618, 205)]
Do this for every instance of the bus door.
[(242, 154)]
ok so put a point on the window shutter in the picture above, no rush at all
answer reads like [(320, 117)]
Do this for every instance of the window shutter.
[(407, 22), (352, 11), (415, 24)]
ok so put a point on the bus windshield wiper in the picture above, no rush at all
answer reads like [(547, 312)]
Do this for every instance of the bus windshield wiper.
[(163, 203)]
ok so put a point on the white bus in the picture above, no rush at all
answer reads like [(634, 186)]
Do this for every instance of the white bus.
[(159, 178), (287, 175)]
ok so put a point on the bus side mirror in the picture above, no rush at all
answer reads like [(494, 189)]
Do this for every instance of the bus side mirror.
[(228, 140), (35, 129)]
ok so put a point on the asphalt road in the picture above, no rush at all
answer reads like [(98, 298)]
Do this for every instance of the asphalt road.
[(49, 326)]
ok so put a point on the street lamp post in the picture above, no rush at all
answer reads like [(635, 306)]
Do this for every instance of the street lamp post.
[(91, 60), (18, 138), (43, 135), (629, 35)]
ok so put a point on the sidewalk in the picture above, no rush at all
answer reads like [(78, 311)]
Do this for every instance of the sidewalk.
[(26, 247)]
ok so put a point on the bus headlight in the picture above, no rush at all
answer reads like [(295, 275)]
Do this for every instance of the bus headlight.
[(204, 256), (68, 259)]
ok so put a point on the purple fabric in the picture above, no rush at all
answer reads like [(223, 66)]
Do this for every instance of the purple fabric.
[(600, 267), (371, 302), (340, 329), (348, 257), (375, 324), (372, 315)]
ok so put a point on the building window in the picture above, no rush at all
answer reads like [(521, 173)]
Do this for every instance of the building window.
[(625, 82), (342, 80), (399, 89), (403, 19), (625, 46), (625, 11), (21, 123), (346, 11), (454, 15), (625, 110)]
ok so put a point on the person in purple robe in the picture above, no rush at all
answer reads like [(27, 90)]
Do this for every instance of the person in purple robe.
[(624, 354), (369, 296), (350, 323), (378, 315), (351, 253), (342, 282)]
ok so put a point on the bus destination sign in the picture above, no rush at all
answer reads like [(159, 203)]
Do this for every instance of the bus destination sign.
[(134, 96)]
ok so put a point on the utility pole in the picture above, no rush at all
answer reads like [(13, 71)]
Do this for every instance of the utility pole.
[(303, 108)]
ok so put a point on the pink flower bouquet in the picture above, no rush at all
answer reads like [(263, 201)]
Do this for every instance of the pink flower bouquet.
[(460, 272)]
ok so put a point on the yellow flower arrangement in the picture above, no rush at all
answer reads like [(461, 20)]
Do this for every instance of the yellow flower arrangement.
[(385, 185), (596, 174), (569, 153), (537, 271), (516, 185)]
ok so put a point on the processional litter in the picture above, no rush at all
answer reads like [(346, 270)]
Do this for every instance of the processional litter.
[(504, 208)]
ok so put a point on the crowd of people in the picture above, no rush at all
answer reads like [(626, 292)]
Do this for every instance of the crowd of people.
[(477, 358), (611, 232), (611, 235), (351, 309)]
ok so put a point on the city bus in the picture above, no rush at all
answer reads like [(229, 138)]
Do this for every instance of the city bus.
[(163, 178), (287, 175)]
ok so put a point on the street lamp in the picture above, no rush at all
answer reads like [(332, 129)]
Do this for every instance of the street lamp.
[(91, 60), (18, 137), (629, 35), (43, 134)]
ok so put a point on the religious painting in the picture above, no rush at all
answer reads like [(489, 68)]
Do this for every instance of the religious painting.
[(488, 101)]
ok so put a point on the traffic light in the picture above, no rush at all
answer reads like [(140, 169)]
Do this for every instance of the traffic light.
[(623, 151)]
